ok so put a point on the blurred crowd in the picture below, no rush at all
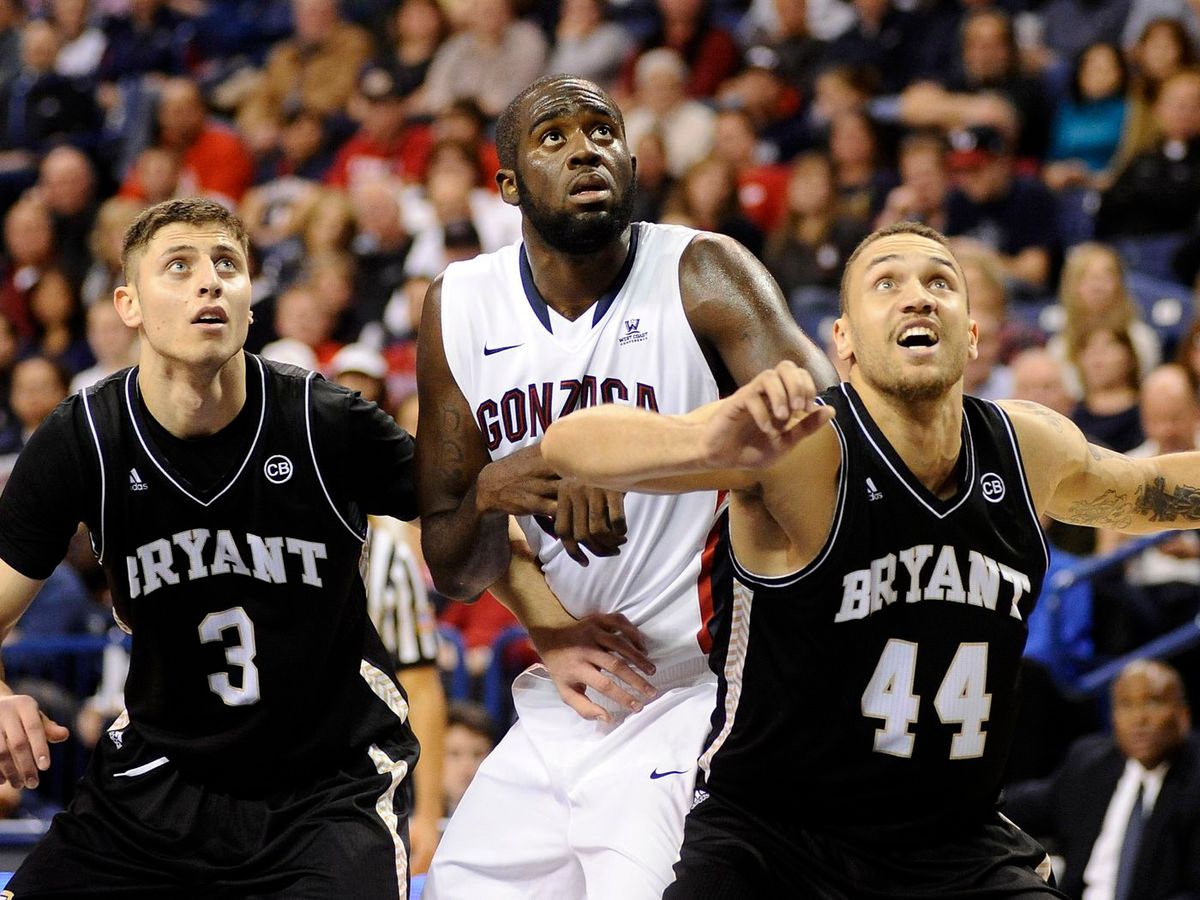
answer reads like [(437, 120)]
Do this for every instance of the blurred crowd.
[(1056, 141)]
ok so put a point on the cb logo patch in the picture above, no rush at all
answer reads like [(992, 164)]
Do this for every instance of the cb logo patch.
[(278, 469)]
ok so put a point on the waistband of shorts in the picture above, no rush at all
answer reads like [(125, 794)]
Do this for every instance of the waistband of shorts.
[(685, 672)]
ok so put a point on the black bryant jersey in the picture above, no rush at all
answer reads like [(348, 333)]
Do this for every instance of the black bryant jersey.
[(253, 661), (875, 690)]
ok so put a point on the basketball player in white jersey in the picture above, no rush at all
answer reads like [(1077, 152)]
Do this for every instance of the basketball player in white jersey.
[(588, 309)]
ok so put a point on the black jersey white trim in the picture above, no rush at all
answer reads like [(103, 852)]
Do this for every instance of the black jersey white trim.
[(262, 416), (776, 581), (968, 449), (360, 536), (1033, 513), (87, 411)]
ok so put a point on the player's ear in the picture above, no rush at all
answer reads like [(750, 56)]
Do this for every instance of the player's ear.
[(973, 340), (125, 299), (506, 179), (843, 338)]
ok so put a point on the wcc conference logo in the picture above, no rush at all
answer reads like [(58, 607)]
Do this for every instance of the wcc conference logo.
[(632, 333)]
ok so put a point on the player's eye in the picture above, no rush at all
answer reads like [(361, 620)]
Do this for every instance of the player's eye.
[(553, 136), (177, 265), (603, 131), (227, 264), (940, 284), (884, 284)]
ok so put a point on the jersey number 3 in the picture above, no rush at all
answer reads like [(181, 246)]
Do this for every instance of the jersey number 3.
[(960, 700), (239, 653)]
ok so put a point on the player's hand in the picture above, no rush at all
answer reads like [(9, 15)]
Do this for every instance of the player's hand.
[(600, 652), (521, 484), (423, 839), (764, 419), (25, 737), (590, 518)]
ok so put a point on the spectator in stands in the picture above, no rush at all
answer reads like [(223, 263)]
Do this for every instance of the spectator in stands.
[(1187, 353), (924, 183), (10, 41), (661, 104), (490, 61), (707, 198), (113, 343), (81, 43), (470, 736), (420, 27), (380, 246), (1162, 585), (762, 185), (158, 172), (1124, 810), (654, 180), (808, 251), (1090, 121), (773, 105), (586, 45), (317, 66), (1158, 191), (38, 385), (383, 145), (987, 375), (213, 160), (1069, 27), (1039, 375), (58, 323), (1092, 293), (104, 248), (39, 107), (32, 261), (305, 150), (994, 211), (1162, 51), (67, 185), (795, 55), (464, 122), (837, 89), (883, 38), (863, 180), (299, 314), (1111, 380), (709, 53), (149, 39), (332, 277), (323, 223)]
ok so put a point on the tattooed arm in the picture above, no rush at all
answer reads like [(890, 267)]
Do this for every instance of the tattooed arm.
[(1081, 483), (465, 499)]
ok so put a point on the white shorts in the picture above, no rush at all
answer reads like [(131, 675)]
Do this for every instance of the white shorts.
[(568, 809)]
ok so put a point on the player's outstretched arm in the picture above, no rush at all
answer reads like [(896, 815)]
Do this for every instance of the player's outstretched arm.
[(1078, 482), (739, 315), (25, 731), (721, 445)]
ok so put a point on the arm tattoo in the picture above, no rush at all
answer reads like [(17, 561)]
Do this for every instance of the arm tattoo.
[(1157, 505), (1109, 510)]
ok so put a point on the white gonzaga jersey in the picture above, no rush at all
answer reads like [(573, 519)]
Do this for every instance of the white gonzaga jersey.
[(521, 366)]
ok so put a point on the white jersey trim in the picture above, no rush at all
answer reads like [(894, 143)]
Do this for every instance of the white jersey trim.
[(87, 410), (312, 450), (385, 806), (735, 664), (1012, 437), (262, 416), (142, 770)]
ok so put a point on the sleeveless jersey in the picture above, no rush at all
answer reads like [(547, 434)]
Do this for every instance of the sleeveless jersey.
[(873, 693), (253, 662), (518, 376)]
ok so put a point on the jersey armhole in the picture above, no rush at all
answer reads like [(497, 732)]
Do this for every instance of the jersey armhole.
[(312, 449), (91, 421), (1025, 491)]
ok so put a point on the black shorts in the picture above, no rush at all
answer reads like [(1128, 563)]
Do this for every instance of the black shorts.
[(729, 855), (138, 828)]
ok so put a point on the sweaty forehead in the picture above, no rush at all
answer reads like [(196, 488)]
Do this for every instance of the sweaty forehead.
[(568, 99), (199, 236)]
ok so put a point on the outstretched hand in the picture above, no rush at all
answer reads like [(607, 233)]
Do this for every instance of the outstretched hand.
[(25, 737), (764, 419), (600, 652)]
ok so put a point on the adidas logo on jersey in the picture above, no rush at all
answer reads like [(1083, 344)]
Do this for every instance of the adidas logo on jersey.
[(873, 493), (135, 481)]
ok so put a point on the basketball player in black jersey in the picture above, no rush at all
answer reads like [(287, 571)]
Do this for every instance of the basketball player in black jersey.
[(882, 572), (265, 750)]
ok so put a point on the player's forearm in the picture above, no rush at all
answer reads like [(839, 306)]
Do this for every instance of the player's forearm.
[(466, 549), (523, 589), (427, 716), (618, 447), (1142, 496)]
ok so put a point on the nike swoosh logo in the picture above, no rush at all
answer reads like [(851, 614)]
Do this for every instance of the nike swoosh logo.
[(657, 774), (488, 351)]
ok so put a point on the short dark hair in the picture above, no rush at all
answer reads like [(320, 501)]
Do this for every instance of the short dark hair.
[(508, 126), (188, 210), (918, 228), (472, 716)]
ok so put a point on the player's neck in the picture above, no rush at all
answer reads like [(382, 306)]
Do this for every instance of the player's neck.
[(571, 283), (191, 402), (927, 434)]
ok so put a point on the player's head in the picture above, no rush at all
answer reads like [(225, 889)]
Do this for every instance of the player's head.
[(1151, 717), (187, 280), (905, 325), (564, 161)]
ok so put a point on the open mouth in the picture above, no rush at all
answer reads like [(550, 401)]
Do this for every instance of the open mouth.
[(589, 188), (211, 315), (917, 336)]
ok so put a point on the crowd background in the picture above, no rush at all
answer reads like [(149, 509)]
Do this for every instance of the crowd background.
[(1056, 142)]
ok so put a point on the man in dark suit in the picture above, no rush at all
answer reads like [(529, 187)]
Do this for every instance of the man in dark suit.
[(1124, 810)]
